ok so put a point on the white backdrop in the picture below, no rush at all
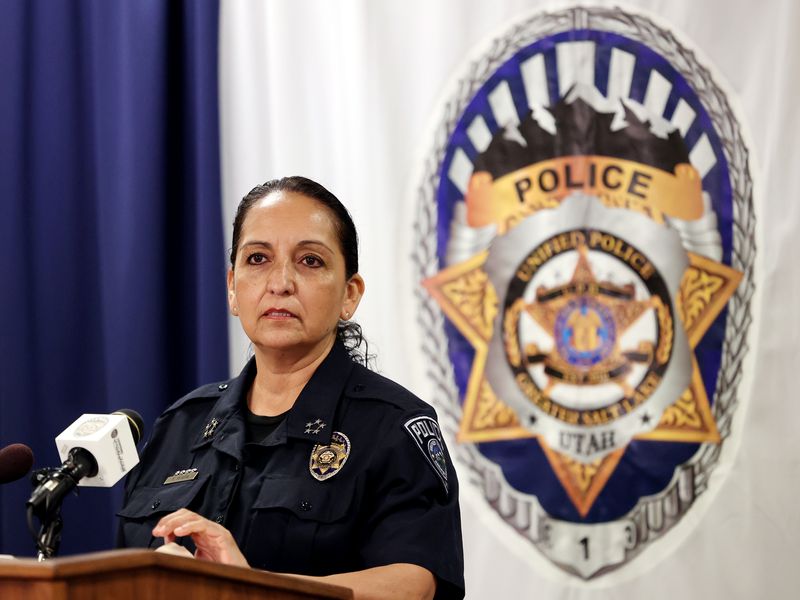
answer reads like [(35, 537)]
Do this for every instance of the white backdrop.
[(347, 93)]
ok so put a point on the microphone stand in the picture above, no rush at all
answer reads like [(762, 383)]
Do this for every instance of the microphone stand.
[(48, 538), (50, 487)]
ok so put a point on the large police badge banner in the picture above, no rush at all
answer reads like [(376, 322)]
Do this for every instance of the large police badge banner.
[(585, 239)]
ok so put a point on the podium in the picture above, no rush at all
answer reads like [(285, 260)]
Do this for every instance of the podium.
[(147, 575)]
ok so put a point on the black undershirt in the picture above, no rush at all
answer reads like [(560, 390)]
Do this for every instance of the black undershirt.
[(258, 427)]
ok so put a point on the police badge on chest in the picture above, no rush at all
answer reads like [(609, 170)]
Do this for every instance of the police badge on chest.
[(328, 459)]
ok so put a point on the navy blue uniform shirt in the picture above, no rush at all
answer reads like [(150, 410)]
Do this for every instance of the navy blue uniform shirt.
[(356, 476)]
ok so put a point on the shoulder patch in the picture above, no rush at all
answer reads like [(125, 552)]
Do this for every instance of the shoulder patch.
[(428, 437)]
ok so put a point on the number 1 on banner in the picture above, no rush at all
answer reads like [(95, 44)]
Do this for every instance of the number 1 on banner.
[(585, 543), (588, 548)]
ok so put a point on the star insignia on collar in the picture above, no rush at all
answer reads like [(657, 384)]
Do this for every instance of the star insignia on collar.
[(211, 426), (315, 426)]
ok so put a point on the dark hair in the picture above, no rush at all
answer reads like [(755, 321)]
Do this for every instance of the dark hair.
[(348, 332), (343, 222)]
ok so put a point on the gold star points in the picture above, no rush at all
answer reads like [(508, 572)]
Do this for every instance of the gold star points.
[(466, 296)]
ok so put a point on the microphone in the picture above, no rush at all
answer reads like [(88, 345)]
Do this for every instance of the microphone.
[(15, 462), (102, 447), (97, 450)]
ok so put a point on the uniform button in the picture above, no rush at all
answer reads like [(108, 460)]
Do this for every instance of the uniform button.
[(223, 387), (358, 387), (305, 505), (220, 519), (156, 504)]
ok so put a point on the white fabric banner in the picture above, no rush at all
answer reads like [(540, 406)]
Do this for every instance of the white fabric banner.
[(356, 94)]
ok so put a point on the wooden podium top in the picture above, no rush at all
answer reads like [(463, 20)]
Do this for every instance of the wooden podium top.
[(148, 575)]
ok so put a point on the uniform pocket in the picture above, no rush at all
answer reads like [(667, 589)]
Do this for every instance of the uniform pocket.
[(300, 525), (144, 502), (307, 500), (146, 505)]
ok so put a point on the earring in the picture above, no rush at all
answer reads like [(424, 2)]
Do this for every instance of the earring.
[(346, 315), (235, 310)]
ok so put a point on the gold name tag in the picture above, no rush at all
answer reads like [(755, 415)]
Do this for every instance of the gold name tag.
[(182, 475)]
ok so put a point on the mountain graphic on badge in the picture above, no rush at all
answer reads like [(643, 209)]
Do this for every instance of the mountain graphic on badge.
[(586, 238)]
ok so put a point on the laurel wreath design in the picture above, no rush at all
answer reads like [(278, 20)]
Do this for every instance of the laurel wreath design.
[(665, 329), (653, 516), (510, 324)]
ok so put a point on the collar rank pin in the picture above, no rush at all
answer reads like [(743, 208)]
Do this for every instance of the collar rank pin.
[(211, 426), (315, 426)]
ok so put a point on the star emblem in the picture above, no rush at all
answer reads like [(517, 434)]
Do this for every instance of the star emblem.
[(467, 298), (589, 318), (315, 426), (327, 460), (211, 426)]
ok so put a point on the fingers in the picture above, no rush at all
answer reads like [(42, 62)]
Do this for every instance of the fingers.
[(197, 525), (183, 523), (212, 540), (167, 525), (169, 538), (215, 543)]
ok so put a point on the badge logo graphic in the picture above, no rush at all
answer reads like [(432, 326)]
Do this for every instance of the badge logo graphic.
[(91, 426), (428, 437), (586, 229), (328, 459)]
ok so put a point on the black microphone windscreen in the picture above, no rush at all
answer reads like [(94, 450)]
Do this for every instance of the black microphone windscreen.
[(15, 462), (135, 421)]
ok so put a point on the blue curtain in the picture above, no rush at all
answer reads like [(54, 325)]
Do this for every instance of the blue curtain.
[(111, 245)]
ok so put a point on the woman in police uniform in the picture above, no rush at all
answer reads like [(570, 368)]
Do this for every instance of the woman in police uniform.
[(307, 462)]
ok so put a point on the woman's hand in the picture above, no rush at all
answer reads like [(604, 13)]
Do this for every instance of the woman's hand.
[(214, 543), (399, 581)]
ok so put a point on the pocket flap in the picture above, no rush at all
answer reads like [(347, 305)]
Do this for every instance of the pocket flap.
[(307, 500), (146, 501)]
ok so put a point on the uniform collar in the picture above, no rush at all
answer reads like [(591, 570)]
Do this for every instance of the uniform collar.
[(311, 417), (224, 427)]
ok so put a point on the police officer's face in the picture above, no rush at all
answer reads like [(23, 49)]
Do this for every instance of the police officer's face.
[(288, 286)]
